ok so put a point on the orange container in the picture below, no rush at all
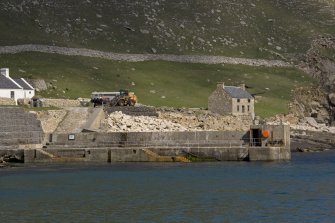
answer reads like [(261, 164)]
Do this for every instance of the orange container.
[(266, 134)]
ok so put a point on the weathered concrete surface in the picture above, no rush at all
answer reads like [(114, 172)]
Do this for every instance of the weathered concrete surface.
[(269, 153), (140, 154), (94, 120), (67, 155), (147, 139), (162, 146)]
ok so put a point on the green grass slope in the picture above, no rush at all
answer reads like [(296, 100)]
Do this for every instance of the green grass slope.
[(255, 29), (156, 83)]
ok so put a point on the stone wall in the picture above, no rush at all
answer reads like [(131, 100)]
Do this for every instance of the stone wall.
[(219, 101), (154, 139), (7, 101), (19, 127), (60, 103)]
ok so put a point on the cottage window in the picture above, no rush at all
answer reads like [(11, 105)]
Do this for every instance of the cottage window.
[(249, 100), (238, 100), (248, 108), (243, 109), (12, 94), (29, 92), (238, 108)]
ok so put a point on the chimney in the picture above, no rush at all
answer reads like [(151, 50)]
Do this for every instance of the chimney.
[(242, 86), (5, 72), (220, 85)]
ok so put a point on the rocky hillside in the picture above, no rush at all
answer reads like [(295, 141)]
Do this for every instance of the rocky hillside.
[(254, 29), (319, 62), (289, 30)]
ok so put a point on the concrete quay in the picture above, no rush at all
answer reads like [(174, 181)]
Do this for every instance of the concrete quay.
[(22, 139), (136, 154), (165, 146)]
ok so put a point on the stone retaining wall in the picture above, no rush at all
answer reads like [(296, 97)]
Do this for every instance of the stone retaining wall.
[(19, 127), (60, 103), (7, 101)]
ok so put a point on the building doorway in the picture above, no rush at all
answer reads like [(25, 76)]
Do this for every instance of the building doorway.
[(256, 137)]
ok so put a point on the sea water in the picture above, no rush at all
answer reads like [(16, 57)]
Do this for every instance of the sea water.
[(300, 190)]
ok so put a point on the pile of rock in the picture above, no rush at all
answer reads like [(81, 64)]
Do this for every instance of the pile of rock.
[(302, 124), (171, 119), (201, 119), (119, 122)]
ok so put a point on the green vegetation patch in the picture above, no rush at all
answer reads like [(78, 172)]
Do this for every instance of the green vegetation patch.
[(156, 83), (254, 29)]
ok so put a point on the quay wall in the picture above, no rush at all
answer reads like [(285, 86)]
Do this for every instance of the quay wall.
[(139, 154), (126, 139)]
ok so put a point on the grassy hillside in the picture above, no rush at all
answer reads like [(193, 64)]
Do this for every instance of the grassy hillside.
[(156, 83), (256, 29)]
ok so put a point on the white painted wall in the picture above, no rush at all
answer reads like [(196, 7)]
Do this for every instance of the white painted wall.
[(28, 93), (18, 93)]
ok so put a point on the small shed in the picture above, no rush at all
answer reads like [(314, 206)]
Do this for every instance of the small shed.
[(231, 100)]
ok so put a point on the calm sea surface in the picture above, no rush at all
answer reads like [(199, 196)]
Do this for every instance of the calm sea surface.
[(302, 190)]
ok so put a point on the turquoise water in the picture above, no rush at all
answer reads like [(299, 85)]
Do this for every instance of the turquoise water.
[(302, 190)]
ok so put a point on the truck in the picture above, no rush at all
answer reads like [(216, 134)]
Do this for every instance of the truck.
[(119, 98)]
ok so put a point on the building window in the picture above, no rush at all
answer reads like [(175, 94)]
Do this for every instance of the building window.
[(243, 109), (29, 92), (248, 108), (12, 94), (238, 100), (238, 108), (249, 100)]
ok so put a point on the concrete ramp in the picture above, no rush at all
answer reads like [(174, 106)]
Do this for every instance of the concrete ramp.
[(94, 120), (74, 120)]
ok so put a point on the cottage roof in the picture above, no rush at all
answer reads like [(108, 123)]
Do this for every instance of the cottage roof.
[(23, 84), (237, 92), (7, 83)]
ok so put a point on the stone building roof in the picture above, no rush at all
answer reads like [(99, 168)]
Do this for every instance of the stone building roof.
[(237, 92), (23, 84), (7, 83)]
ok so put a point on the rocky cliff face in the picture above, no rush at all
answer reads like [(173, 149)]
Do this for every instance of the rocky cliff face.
[(311, 102), (320, 64)]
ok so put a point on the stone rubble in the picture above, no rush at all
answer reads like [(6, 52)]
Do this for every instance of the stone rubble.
[(175, 120), (205, 120), (305, 124), (119, 122)]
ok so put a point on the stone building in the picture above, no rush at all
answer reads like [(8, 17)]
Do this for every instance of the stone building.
[(231, 100)]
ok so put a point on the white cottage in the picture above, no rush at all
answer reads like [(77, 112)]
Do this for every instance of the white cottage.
[(14, 88)]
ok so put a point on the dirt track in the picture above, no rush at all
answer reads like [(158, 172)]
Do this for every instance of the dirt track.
[(141, 57)]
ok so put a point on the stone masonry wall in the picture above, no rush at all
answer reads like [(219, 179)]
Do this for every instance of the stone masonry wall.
[(219, 101), (7, 101), (61, 103), (19, 127)]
